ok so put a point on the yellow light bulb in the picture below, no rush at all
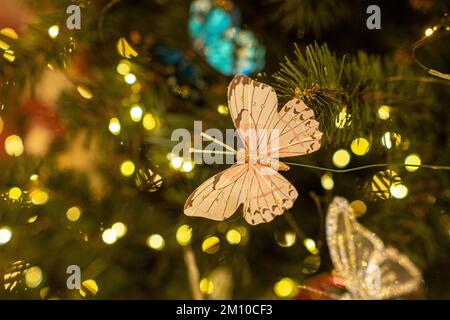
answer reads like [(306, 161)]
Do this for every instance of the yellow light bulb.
[(14, 146), (130, 78), (15, 193), (120, 228), (39, 197), (109, 236), (5, 235), (156, 242), (360, 146), (398, 191), (114, 126), (327, 182), (284, 288), (73, 214), (233, 236), (53, 31), (123, 68), (206, 286), (149, 122), (176, 162), (341, 158), (222, 109), (188, 166), (412, 159), (428, 32), (184, 235), (384, 112), (127, 168), (136, 113), (211, 245), (33, 277), (359, 207), (310, 245)]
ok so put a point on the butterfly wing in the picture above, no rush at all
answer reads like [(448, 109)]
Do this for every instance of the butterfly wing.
[(269, 194), (350, 245), (295, 131), (394, 275), (219, 196), (253, 106)]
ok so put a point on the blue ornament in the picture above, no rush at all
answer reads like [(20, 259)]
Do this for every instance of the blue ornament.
[(215, 32)]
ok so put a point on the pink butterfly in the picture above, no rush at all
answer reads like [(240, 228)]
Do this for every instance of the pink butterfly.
[(267, 135)]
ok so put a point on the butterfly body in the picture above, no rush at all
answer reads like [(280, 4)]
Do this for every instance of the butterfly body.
[(267, 134)]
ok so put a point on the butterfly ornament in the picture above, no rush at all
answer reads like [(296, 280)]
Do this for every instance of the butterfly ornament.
[(368, 269), (266, 135)]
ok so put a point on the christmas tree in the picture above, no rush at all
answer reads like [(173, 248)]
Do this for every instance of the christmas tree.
[(93, 195)]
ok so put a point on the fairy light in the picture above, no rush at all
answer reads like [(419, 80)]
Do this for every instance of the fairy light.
[(14, 193), (136, 113), (33, 277), (149, 122), (284, 287), (73, 214), (39, 197), (384, 112), (85, 92), (176, 162), (156, 242), (123, 68), (412, 159), (127, 168), (341, 158), (428, 32), (211, 245), (120, 228), (14, 146), (90, 286), (223, 109), (310, 245), (109, 236), (34, 177), (53, 31), (188, 166), (327, 181), (184, 234), (130, 78), (206, 286), (360, 146), (359, 207), (233, 236), (114, 126), (398, 191), (32, 219), (5, 235), (390, 139), (343, 119)]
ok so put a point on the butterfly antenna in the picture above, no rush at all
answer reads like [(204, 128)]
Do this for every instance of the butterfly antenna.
[(320, 292), (218, 142), (192, 150)]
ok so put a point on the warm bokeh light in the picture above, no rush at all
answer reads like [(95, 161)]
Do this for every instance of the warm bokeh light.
[(413, 158), (176, 162), (211, 245), (310, 245), (188, 166), (39, 197), (73, 214), (399, 191), (233, 236), (53, 31), (90, 286), (359, 208), (123, 68), (14, 193), (327, 181), (149, 122), (343, 119), (391, 139), (33, 277), (114, 126), (156, 242), (284, 288), (384, 112), (428, 32), (85, 92), (184, 235), (127, 168), (285, 239), (130, 78), (222, 109), (109, 236), (341, 158), (14, 146), (136, 113), (360, 146), (5, 234), (206, 286), (120, 228)]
